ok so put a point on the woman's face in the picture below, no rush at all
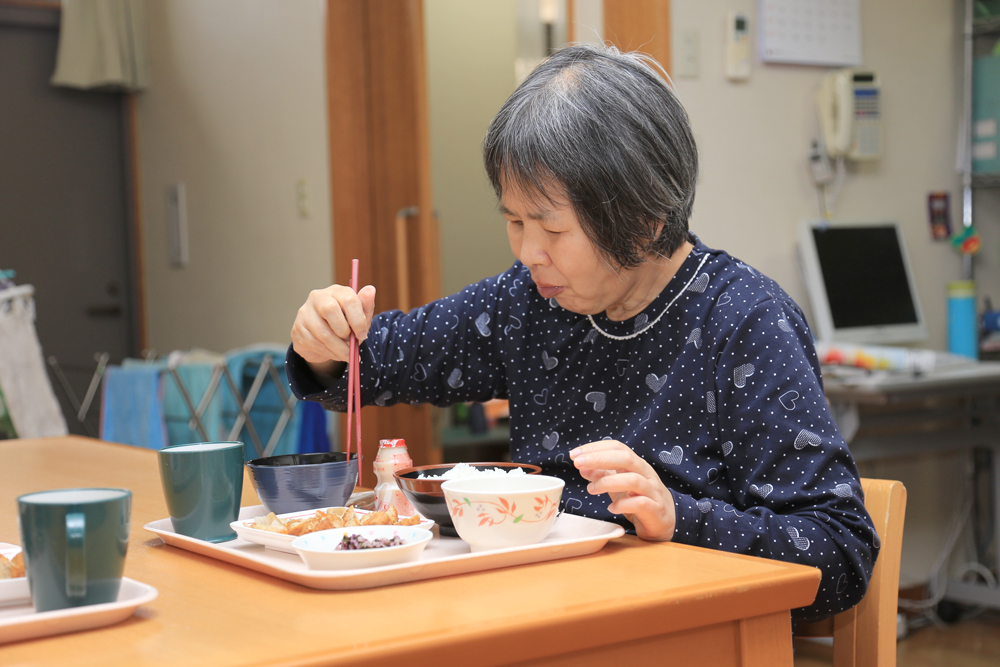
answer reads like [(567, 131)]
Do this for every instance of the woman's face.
[(564, 264)]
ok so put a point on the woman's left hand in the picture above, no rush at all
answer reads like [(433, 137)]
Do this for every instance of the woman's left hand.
[(636, 490)]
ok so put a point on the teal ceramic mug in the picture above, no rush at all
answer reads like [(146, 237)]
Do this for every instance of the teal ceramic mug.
[(74, 543), (203, 486)]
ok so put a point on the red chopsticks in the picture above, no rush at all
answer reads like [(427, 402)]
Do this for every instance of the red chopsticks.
[(354, 384)]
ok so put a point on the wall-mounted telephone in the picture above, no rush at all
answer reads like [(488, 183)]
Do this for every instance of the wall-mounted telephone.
[(850, 111)]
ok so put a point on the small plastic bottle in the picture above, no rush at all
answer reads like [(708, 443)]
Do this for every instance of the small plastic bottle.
[(392, 456)]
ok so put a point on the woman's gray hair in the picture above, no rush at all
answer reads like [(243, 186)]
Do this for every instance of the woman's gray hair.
[(603, 128)]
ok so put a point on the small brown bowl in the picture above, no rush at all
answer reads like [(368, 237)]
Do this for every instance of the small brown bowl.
[(427, 496)]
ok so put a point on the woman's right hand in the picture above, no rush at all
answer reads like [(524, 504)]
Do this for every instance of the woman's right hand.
[(323, 326)]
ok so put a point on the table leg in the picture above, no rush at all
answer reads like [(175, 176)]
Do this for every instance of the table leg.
[(766, 641)]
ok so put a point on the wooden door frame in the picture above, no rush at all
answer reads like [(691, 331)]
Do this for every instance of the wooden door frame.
[(380, 168), (639, 25)]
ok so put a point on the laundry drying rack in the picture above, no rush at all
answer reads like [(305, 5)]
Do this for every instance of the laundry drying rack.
[(221, 380)]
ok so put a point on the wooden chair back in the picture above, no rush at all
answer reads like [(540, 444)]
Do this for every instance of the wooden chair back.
[(865, 635)]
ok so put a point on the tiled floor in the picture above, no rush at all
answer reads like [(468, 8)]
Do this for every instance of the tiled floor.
[(970, 643)]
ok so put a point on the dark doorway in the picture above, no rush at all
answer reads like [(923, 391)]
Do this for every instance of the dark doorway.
[(65, 204)]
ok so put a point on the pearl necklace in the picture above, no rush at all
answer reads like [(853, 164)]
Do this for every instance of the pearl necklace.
[(658, 317)]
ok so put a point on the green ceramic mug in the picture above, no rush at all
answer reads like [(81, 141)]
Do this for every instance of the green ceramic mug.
[(203, 486), (74, 543)]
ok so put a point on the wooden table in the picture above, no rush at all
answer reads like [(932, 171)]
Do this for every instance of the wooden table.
[(632, 603)]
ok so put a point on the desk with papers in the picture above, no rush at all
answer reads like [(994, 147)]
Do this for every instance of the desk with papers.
[(886, 415)]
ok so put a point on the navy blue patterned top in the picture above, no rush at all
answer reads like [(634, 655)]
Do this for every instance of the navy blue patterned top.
[(716, 384)]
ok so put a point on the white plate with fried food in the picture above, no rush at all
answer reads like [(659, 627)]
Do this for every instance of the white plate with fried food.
[(11, 562), (278, 531)]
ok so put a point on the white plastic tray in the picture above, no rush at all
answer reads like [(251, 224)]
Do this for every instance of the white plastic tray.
[(571, 536), (20, 621)]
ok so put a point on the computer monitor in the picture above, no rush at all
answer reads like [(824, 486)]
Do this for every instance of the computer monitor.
[(860, 283)]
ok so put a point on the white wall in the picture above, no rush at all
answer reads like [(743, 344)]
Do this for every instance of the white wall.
[(471, 47), (754, 190), (237, 111)]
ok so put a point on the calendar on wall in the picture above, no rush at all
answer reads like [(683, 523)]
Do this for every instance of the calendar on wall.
[(810, 32)]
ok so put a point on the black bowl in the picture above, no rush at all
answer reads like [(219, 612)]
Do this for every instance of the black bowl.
[(426, 494), (296, 482)]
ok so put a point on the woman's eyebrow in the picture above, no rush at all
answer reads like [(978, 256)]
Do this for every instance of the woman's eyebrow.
[(531, 215)]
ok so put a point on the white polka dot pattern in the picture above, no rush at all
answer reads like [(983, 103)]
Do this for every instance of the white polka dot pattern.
[(721, 396)]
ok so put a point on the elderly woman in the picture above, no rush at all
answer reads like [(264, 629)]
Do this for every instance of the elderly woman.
[(675, 389)]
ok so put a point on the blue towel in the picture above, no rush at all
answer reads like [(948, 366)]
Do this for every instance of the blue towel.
[(131, 408), (195, 375), (243, 365), (313, 436)]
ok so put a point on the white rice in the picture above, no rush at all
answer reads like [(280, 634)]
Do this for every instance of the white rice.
[(465, 470)]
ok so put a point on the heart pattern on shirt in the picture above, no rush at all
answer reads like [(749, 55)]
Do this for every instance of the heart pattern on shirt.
[(483, 324), (822, 516), (761, 491), (455, 379), (695, 338), (673, 457), (699, 284), (784, 325), (713, 475), (741, 373), (640, 322), (622, 366), (383, 397), (542, 397), (724, 299), (655, 382), (421, 373), (553, 303), (876, 542), (806, 438), (513, 326), (550, 441), (400, 357), (704, 506), (801, 542), (561, 458), (591, 336), (598, 398), (572, 504), (730, 508), (842, 583), (727, 447), (710, 401), (649, 413), (513, 289), (788, 399), (549, 362), (843, 491)]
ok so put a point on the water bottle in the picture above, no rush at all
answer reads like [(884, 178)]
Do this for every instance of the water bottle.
[(963, 337)]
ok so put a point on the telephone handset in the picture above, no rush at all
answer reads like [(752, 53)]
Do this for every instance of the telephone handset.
[(850, 112)]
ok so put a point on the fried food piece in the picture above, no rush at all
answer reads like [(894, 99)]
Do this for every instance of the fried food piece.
[(376, 519), (351, 518), (336, 520), (13, 568), (409, 520), (270, 523), (18, 562)]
